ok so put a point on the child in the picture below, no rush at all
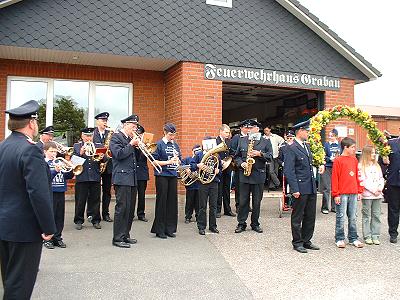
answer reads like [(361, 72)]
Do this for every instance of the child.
[(346, 190), (59, 187), (372, 180)]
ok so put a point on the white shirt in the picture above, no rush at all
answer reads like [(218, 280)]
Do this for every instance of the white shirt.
[(276, 141)]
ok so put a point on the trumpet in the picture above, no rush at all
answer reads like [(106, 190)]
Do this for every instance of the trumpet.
[(63, 149), (67, 166), (90, 150), (147, 152)]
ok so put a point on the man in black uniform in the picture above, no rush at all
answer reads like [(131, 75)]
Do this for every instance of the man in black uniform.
[(100, 135), (26, 207), (299, 174), (87, 184), (142, 174), (224, 191), (46, 135), (122, 146), (254, 183)]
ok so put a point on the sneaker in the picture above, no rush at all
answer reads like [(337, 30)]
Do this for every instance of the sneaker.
[(187, 221), (97, 225), (357, 244), (325, 211), (368, 241), (393, 239), (90, 218), (340, 244), (376, 242), (48, 244)]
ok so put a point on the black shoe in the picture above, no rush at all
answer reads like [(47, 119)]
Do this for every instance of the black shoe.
[(311, 246), (161, 235), (257, 229), (202, 232), (107, 219), (97, 225), (187, 221), (171, 235), (143, 219), (60, 244), (333, 210), (218, 215), (78, 226), (393, 240), (121, 244), (240, 229), (130, 241), (231, 214), (300, 249), (48, 244), (214, 230)]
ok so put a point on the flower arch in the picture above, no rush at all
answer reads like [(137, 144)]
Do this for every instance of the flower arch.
[(322, 118)]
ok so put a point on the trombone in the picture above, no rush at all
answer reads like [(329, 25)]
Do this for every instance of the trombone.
[(147, 151), (63, 149), (67, 166)]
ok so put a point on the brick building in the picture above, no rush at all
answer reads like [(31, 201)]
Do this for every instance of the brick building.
[(194, 63)]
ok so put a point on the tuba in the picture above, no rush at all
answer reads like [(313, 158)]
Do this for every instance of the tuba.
[(186, 176), (211, 162), (67, 166), (64, 149)]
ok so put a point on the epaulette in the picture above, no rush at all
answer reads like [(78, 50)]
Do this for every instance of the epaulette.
[(30, 141)]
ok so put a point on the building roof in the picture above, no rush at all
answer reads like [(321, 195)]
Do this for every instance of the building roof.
[(260, 34), (381, 111)]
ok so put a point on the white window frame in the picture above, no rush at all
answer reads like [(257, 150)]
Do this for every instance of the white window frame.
[(228, 3), (50, 95)]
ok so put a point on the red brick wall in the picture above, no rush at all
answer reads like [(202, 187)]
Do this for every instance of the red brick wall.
[(148, 89)]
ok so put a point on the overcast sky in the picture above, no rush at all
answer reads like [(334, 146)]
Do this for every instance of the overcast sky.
[(372, 28)]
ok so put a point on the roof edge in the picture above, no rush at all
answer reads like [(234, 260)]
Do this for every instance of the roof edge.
[(323, 31), (8, 2)]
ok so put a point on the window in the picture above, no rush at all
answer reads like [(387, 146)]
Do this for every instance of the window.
[(70, 105), (223, 3)]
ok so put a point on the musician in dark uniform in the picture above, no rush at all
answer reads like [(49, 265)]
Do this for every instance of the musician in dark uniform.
[(26, 207), (142, 174), (393, 188), (299, 174), (232, 150), (208, 192), (168, 156), (224, 186), (100, 135), (254, 184), (87, 184), (46, 135), (123, 148)]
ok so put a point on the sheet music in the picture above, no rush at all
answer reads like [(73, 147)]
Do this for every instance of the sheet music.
[(76, 160)]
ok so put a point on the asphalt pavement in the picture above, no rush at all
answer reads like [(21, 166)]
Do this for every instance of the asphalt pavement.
[(227, 265)]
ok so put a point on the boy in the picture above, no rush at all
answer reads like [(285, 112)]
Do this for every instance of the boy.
[(346, 190), (59, 187)]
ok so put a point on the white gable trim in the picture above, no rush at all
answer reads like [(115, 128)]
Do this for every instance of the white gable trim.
[(327, 37), (7, 3)]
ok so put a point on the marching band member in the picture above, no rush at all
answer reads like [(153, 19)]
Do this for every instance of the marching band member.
[(142, 174), (87, 184), (192, 191), (168, 156), (100, 135), (276, 141), (207, 191), (123, 148), (255, 148), (46, 135), (224, 192)]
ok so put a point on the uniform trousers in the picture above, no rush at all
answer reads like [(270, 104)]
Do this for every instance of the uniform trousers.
[(59, 213), (207, 192), (224, 192), (237, 189), (256, 191), (19, 268), (393, 199), (166, 214), (141, 191), (303, 219), (192, 203), (106, 194), (89, 192), (124, 211)]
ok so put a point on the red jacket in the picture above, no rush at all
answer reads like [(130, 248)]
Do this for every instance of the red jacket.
[(345, 177)]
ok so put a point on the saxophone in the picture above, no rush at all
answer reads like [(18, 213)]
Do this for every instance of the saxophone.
[(103, 165), (249, 160)]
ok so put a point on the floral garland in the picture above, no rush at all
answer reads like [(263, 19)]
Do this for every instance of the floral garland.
[(322, 118)]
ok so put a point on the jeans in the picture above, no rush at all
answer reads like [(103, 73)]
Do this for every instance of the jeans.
[(371, 218), (347, 206)]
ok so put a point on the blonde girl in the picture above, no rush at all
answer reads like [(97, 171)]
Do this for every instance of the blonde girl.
[(372, 180)]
